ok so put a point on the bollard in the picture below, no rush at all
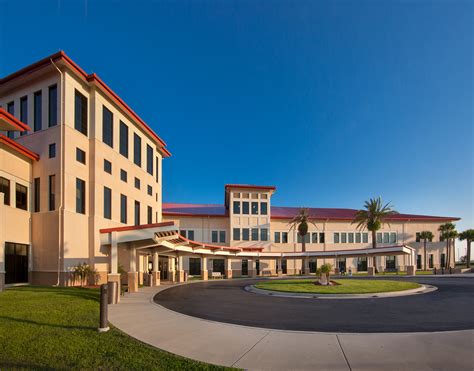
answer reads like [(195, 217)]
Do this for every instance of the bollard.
[(104, 302)]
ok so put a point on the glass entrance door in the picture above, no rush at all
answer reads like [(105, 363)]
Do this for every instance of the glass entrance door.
[(163, 267), (245, 267), (218, 266), (283, 266), (257, 263), (341, 264), (16, 263), (194, 266), (313, 265)]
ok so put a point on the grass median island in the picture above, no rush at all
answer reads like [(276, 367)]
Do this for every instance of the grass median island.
[(56, 328), (345, 286)]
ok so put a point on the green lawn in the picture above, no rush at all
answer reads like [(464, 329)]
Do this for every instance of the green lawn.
[(346, 286), (56, 328)]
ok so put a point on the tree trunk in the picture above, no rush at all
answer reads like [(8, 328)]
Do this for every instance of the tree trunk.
[(468, 254), (303, 248), (424, 260), (374, 246), (447, 251), (450, 245)]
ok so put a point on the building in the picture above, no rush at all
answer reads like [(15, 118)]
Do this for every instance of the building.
[(247, 219), (81, 182), (78, 159)]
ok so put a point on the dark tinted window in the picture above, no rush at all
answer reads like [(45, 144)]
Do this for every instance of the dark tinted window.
[(263, 208), (137, 183), (149, 214), (245, 234), (236, 207), (107, 166), (137, 213), (254, 234), (264, 234), (52, 192), (123, 139), (38, 111), (245, 207), (80, 196), (123, 175), (254, 208), (107, 127), (137, 150), (80, 113), (5, 188), (11, 110), (37, 193), (24, 111), (236, 234), (52, 150), (21, 197), (53, 105), (80, 156), (107, 203), (214, 236), (123, 209), (221, 236), (150, 190), (149, 159)]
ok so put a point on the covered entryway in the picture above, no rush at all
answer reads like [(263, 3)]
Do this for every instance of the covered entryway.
[(16, 263)]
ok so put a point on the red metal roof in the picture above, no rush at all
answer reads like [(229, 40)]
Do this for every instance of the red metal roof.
[(18, 147), (13, 121), (249, 186), (91, 78), (278, 212), (135, 227)]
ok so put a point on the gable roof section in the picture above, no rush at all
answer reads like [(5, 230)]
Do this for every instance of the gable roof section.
[(8, 122), (278, 212), (92, 79), (18, 148)]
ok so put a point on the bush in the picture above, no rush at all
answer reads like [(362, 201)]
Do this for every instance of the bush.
[(83, 271)]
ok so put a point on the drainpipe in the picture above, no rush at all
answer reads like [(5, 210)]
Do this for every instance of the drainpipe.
[(61, 172)]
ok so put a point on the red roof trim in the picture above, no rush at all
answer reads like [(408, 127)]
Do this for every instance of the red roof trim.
[(249, 186), (14, 121), (171, 213), (19, 148), (136, 227), (89, 78), (402, 219)]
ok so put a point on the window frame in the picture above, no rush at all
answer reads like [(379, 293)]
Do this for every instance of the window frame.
[(107, 126), (37, 111), (81, 121), (107, 203), (80, 196)]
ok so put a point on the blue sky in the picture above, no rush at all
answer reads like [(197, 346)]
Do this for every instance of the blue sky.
[(332, 102)]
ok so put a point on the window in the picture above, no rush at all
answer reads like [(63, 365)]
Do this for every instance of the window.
[(37, 192), (245, 207), (263, 208), (365, 237), (393, 237), (379, 237), (191, 235), (80, 113), (37, 111), (254, 234), (21, 198), (5, 189), (52, 192), (80, 196), (418, 237), (149, 159), (358, 238), (80, 156), (284, 237), (107, 127), (254, 208), (157, 164), (418, 262), (107, 166), (123, 175), (321, 237), (350, 237), (183, 233), (343, 237), (362, 264), (150, 190), (52, 150), (137, 183), (24, 112), (137, 150), (222, 236), (123, 209), (390, 262), (245, 234), (107, 203), (123, 139), (430, 261), (149, 215), (236, 234), (214, 236), (314, 237), (264, 234), (277, 237), (336, 237), (236, 207), (11, 110), (386, 237), (137, 213), (52, 105), (443, 260)]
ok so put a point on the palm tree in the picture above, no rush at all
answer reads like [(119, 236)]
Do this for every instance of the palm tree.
[(373, 218), (425, 236), (300, 222), (448, 233), (467, 235)]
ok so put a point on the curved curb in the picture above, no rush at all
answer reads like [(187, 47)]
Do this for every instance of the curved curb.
[(424, 289)]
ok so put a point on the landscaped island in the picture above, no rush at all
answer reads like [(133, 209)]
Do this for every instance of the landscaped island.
[(343, 286)]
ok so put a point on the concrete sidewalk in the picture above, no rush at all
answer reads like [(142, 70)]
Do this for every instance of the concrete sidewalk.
[(259, 349)]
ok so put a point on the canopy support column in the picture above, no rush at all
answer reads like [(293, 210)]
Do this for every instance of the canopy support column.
[(132, 272), (113, 278), (228, 267), (155, 273), (204, 271), (180, 269)]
